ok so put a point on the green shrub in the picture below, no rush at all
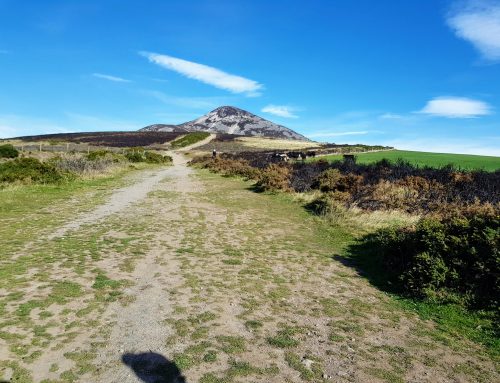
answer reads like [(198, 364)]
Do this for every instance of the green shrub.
[(141, 155), (155, 158), (230, 167), (30, 170), (99, 154), (8, 151), (135, 156), (448, 259)]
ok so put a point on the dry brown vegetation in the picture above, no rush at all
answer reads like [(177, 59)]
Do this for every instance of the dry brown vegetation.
[(379, 186)]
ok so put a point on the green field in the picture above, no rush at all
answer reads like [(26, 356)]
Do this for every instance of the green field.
[(462, 161)]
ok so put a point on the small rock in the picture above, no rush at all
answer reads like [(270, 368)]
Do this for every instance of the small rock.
[(307, 362)]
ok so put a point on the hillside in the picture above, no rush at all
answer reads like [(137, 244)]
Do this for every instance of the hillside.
[(231, 120)]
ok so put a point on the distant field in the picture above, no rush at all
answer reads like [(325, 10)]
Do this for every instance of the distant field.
[(278, 144), (462, 161)]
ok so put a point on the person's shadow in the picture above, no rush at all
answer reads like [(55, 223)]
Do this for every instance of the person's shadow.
[(151, 367)]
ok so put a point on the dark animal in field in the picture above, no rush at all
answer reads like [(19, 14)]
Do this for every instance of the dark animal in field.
[(349, 158), (297, 155), (311, 153)]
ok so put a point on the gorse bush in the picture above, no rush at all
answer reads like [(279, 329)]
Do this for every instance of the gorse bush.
[(273, 178), (455, 259), (8, 151), (227, 167), (156, 158), (141, 155), (135, 156), (332, 180), (30, 170)]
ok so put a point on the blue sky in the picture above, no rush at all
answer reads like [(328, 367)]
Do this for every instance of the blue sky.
[(421, 75)]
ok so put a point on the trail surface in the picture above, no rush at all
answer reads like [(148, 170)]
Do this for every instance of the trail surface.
[(189, 276)]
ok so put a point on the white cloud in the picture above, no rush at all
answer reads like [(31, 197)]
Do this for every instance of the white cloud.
[(188, 102), (479, 23), (391, 116), (280, 110), (456, 107), (109, 77), (206, 74)]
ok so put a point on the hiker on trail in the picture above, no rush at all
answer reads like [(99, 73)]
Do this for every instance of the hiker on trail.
[(214, 153)]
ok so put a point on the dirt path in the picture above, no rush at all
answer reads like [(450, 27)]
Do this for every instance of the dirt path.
[(188, 276), (198, 144), (119, 200)]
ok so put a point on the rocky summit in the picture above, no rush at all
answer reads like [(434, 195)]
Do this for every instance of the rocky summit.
[(231, 120)]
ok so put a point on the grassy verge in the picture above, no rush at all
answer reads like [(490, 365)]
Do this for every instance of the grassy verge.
[(189, 139), (462, 161), (28, 211)]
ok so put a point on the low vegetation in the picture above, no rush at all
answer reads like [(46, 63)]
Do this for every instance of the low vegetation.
[(189, 139), (28, 170), (141, 155), (379, 186), (67, 167), (451, 260), (8, 151)]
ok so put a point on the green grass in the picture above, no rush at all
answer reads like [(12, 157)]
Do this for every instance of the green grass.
[(462, 161), (189, 139)]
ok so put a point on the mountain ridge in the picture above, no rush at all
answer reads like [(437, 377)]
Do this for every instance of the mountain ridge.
[(231, 120)]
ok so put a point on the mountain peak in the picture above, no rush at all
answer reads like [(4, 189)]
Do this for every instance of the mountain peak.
[(224, 111), (232, 120)]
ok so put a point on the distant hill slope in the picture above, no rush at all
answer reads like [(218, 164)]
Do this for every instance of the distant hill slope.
[(231, 120)]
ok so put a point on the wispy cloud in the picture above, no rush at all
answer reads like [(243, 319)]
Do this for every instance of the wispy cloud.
[(456, 107), (203, 103), (280, 110), (109, 77), (206, 74), (479, 23), (391, 116)]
